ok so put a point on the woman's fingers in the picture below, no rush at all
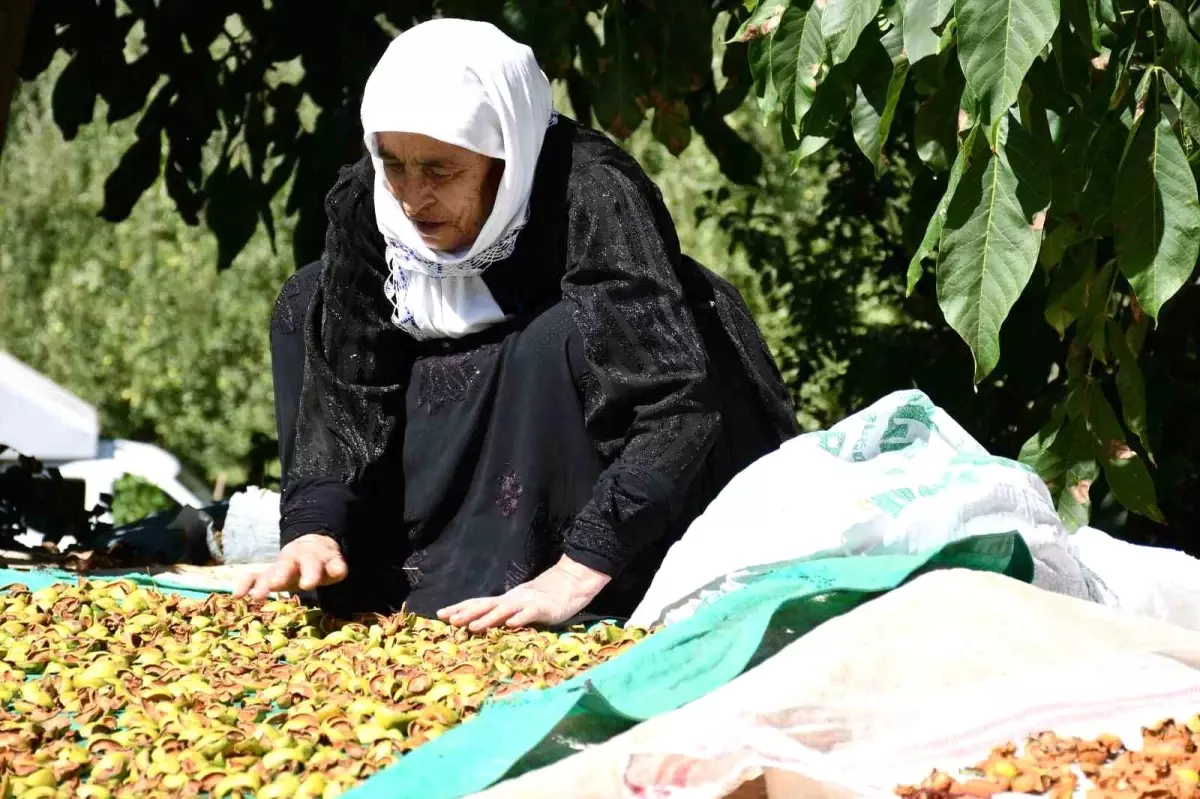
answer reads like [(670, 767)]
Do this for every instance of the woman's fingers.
[(335, 569), (499, 614), (525, 617), (304, 564), (245, 584), (280, 577), (467, 611), (312, 570)]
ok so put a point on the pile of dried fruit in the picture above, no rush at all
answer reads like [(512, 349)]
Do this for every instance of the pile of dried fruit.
[(113, 690), (1166, 767)]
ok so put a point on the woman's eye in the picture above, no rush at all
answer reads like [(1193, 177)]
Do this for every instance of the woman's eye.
[(437, 173)]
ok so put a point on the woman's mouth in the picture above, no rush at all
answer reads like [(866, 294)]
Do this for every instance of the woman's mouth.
[(428, 229)]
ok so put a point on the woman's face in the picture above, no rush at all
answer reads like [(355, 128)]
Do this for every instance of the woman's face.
[(446, 191)]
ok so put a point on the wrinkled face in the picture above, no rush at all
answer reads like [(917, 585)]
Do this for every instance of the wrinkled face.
[(447, 192)]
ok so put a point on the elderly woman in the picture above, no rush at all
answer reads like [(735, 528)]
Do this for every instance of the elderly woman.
[(503, 393)]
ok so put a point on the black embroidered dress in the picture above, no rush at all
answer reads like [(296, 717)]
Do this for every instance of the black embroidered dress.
[(628, 386)]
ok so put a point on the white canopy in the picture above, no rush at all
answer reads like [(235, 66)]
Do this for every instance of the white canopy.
[(42, 419)]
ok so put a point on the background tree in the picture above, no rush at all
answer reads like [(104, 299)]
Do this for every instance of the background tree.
[(1057, 144)]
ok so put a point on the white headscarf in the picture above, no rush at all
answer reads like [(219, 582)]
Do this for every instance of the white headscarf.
[(464, 83)]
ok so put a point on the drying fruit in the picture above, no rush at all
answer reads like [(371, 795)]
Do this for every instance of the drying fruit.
[(1166, 767), (111, 690)]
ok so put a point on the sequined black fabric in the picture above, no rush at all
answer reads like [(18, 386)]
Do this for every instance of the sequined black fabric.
[(630, 386), (446, 379), (509, 495)]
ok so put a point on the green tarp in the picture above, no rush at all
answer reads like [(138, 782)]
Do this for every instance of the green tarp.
[(677, 665), (43, 577)]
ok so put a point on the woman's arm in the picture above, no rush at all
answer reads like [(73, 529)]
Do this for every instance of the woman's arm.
[(648, 400), (353, 359)]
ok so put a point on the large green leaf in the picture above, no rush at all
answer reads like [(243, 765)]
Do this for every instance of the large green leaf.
[(1156, 214), (1131, 386), (810, 60), (989, 247), (1181, 47), (920, 18), (882, 76), (832, 102), (997, 43), (1062, 455), (1125, 470), (796, 54), (933, 232), (935, 130), (787, 62), (1189, 112), (843, 21), (762, 21)]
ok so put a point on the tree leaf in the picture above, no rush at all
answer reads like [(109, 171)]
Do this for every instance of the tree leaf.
[(672, 126), (758, 54), (619, 82), (1095, 205), (1156, 214), (920, 18), (1058, 240), (842, 22), (933, 232), (231, 211), (1189, 112), (990, 244), (935, 130), (675, 43), (1127, 474), (74, 99), (1074, 500), (1093, 310), (1181, 48), (795, 55), (1131, 386), (876, 98), (1136, 336), (1068, 295), (137, 170), (1043, 452), (830, 104), (810, 56), (1081, 14), (1062, 456), (997, 43), (762, 22)]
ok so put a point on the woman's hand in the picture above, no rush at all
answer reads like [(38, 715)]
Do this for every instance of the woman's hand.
[(552, 597), (304, 564)]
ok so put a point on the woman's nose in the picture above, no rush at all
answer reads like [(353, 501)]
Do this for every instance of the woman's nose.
[(414, 196)]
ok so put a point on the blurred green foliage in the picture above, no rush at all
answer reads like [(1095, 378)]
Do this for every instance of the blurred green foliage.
[(133, 317), (135, 499)]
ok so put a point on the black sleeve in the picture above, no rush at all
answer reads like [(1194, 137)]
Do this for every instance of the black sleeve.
[(647, 397), (352, 373)]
